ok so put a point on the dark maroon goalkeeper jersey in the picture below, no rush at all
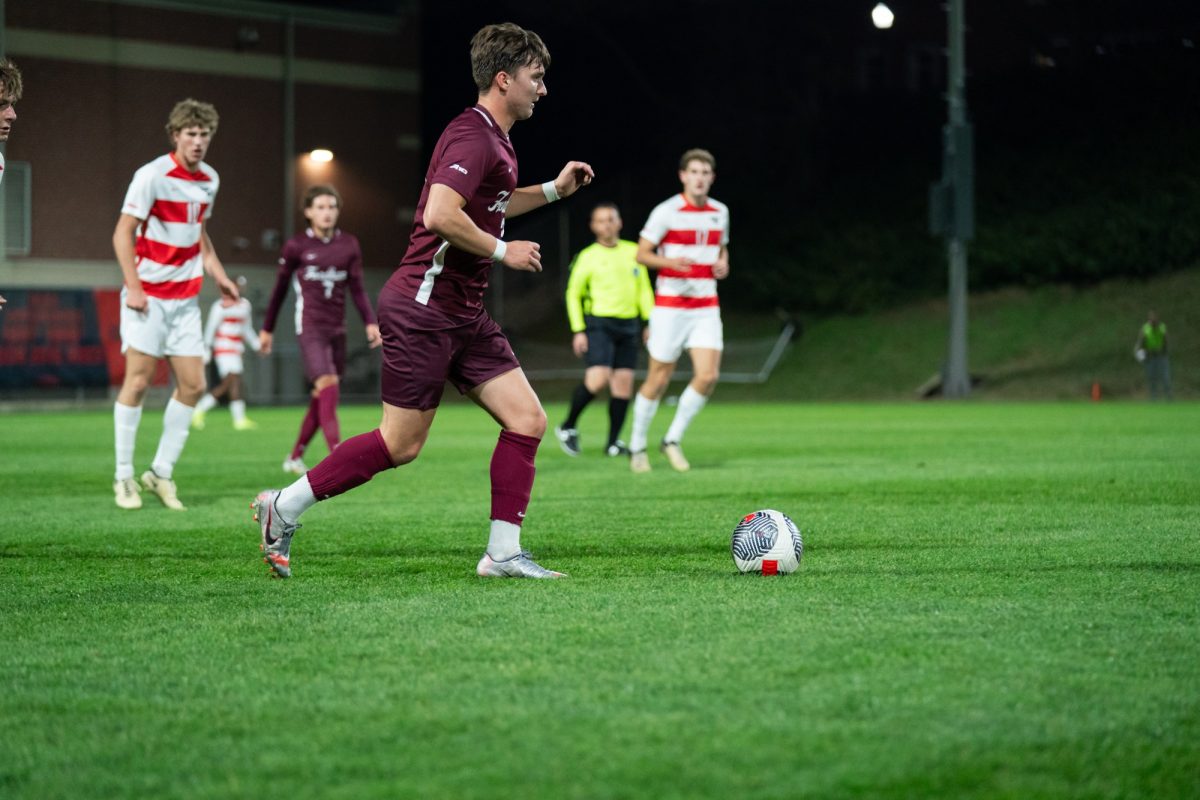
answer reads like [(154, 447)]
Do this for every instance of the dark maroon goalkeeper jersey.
[(320, 270), (475, 158)]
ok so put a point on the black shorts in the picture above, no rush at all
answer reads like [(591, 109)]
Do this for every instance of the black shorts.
[(613, 342)]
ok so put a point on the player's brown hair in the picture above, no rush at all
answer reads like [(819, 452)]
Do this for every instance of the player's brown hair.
[(10, 81), (505, 47), (697, 154), (187, 113), (320, 190)]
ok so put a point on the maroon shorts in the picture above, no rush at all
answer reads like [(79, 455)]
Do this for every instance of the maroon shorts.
[(322, 354), (423, 348)]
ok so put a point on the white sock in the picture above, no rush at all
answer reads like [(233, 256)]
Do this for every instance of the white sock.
[(238, 409), (125, 428), (177, 421), (690, 403), (504, 541), (295, 500), (206, 402), (643, 413)]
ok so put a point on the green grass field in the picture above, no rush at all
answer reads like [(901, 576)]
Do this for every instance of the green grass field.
[(995, 601)]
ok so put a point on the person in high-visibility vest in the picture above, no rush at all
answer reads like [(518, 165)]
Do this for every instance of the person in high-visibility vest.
[(1151, 350), (609, 300)]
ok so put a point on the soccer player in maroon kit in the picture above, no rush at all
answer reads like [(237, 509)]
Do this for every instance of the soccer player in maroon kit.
[(321, 263), (431, 312)]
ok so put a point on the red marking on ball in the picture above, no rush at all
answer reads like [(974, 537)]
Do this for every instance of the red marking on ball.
[(770, 567)]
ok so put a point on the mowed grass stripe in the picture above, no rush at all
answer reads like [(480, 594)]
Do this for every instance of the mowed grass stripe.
[(996, 601)]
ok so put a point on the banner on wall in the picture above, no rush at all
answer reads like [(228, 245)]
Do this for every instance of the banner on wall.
[(54, 339)]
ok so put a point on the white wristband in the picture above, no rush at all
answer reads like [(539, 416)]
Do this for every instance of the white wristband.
[(501, 249), (550, 192)]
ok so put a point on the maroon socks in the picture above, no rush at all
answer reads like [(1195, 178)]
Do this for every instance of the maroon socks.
[(327, 401), (352, 464), (308, 429), (512, 476)]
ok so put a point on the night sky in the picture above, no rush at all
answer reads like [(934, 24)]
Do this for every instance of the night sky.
[(819, 121)]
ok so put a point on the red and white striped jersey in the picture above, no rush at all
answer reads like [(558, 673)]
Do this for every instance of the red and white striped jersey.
[(679, 228), (172, 203), (230, 328)]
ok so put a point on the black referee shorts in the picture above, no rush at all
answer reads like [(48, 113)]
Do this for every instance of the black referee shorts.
[(613, 342)]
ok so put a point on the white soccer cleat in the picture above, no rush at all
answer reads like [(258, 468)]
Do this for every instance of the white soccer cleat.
[(164, 488), (639, 461), (674, 454), (276, 544), (294, 466), (128, 493), (521, 565)]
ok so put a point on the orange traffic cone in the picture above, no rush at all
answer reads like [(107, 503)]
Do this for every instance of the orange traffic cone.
[(1096, 392)]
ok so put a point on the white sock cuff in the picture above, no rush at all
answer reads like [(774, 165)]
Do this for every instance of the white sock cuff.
[(692, 398), (504, 540), (294, 500), (126, 415)]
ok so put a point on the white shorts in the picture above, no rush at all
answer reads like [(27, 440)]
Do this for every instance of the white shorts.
[(673, 330), (165, 328), (229, 363)]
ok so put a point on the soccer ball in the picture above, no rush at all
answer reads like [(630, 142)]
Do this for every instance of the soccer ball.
[(767, 542)]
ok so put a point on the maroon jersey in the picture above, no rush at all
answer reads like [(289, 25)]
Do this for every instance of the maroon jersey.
[(475, 158), (320, 270)]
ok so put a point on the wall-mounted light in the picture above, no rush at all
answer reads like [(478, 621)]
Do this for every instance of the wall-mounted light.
[(882, 16), (321, 156)]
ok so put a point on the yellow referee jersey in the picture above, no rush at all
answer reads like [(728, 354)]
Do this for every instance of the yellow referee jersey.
[(608, 282)]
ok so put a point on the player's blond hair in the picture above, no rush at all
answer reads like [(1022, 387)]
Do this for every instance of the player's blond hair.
[(321, 190), (188, 113), (505, 47), (697, 154), (10, 81)]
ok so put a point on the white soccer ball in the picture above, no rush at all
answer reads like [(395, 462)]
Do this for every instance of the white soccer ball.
[(767, 542)]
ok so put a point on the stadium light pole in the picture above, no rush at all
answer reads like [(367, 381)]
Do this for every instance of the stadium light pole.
[(952, 204)]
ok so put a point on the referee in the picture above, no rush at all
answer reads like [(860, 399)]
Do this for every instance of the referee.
[(608, 301)]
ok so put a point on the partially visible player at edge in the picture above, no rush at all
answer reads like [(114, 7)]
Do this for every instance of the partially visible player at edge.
[(10, 93), (686, 239), (432, 317), (320, 263), (162, 244)]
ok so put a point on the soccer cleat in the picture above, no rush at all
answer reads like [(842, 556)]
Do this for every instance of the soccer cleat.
[(244, 424), (568, 440), (674, 454), (276, 534), (129, 494), (294, 466), (617, 448), (198, 419), (521, 565), (639, 461), (164, 488)]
